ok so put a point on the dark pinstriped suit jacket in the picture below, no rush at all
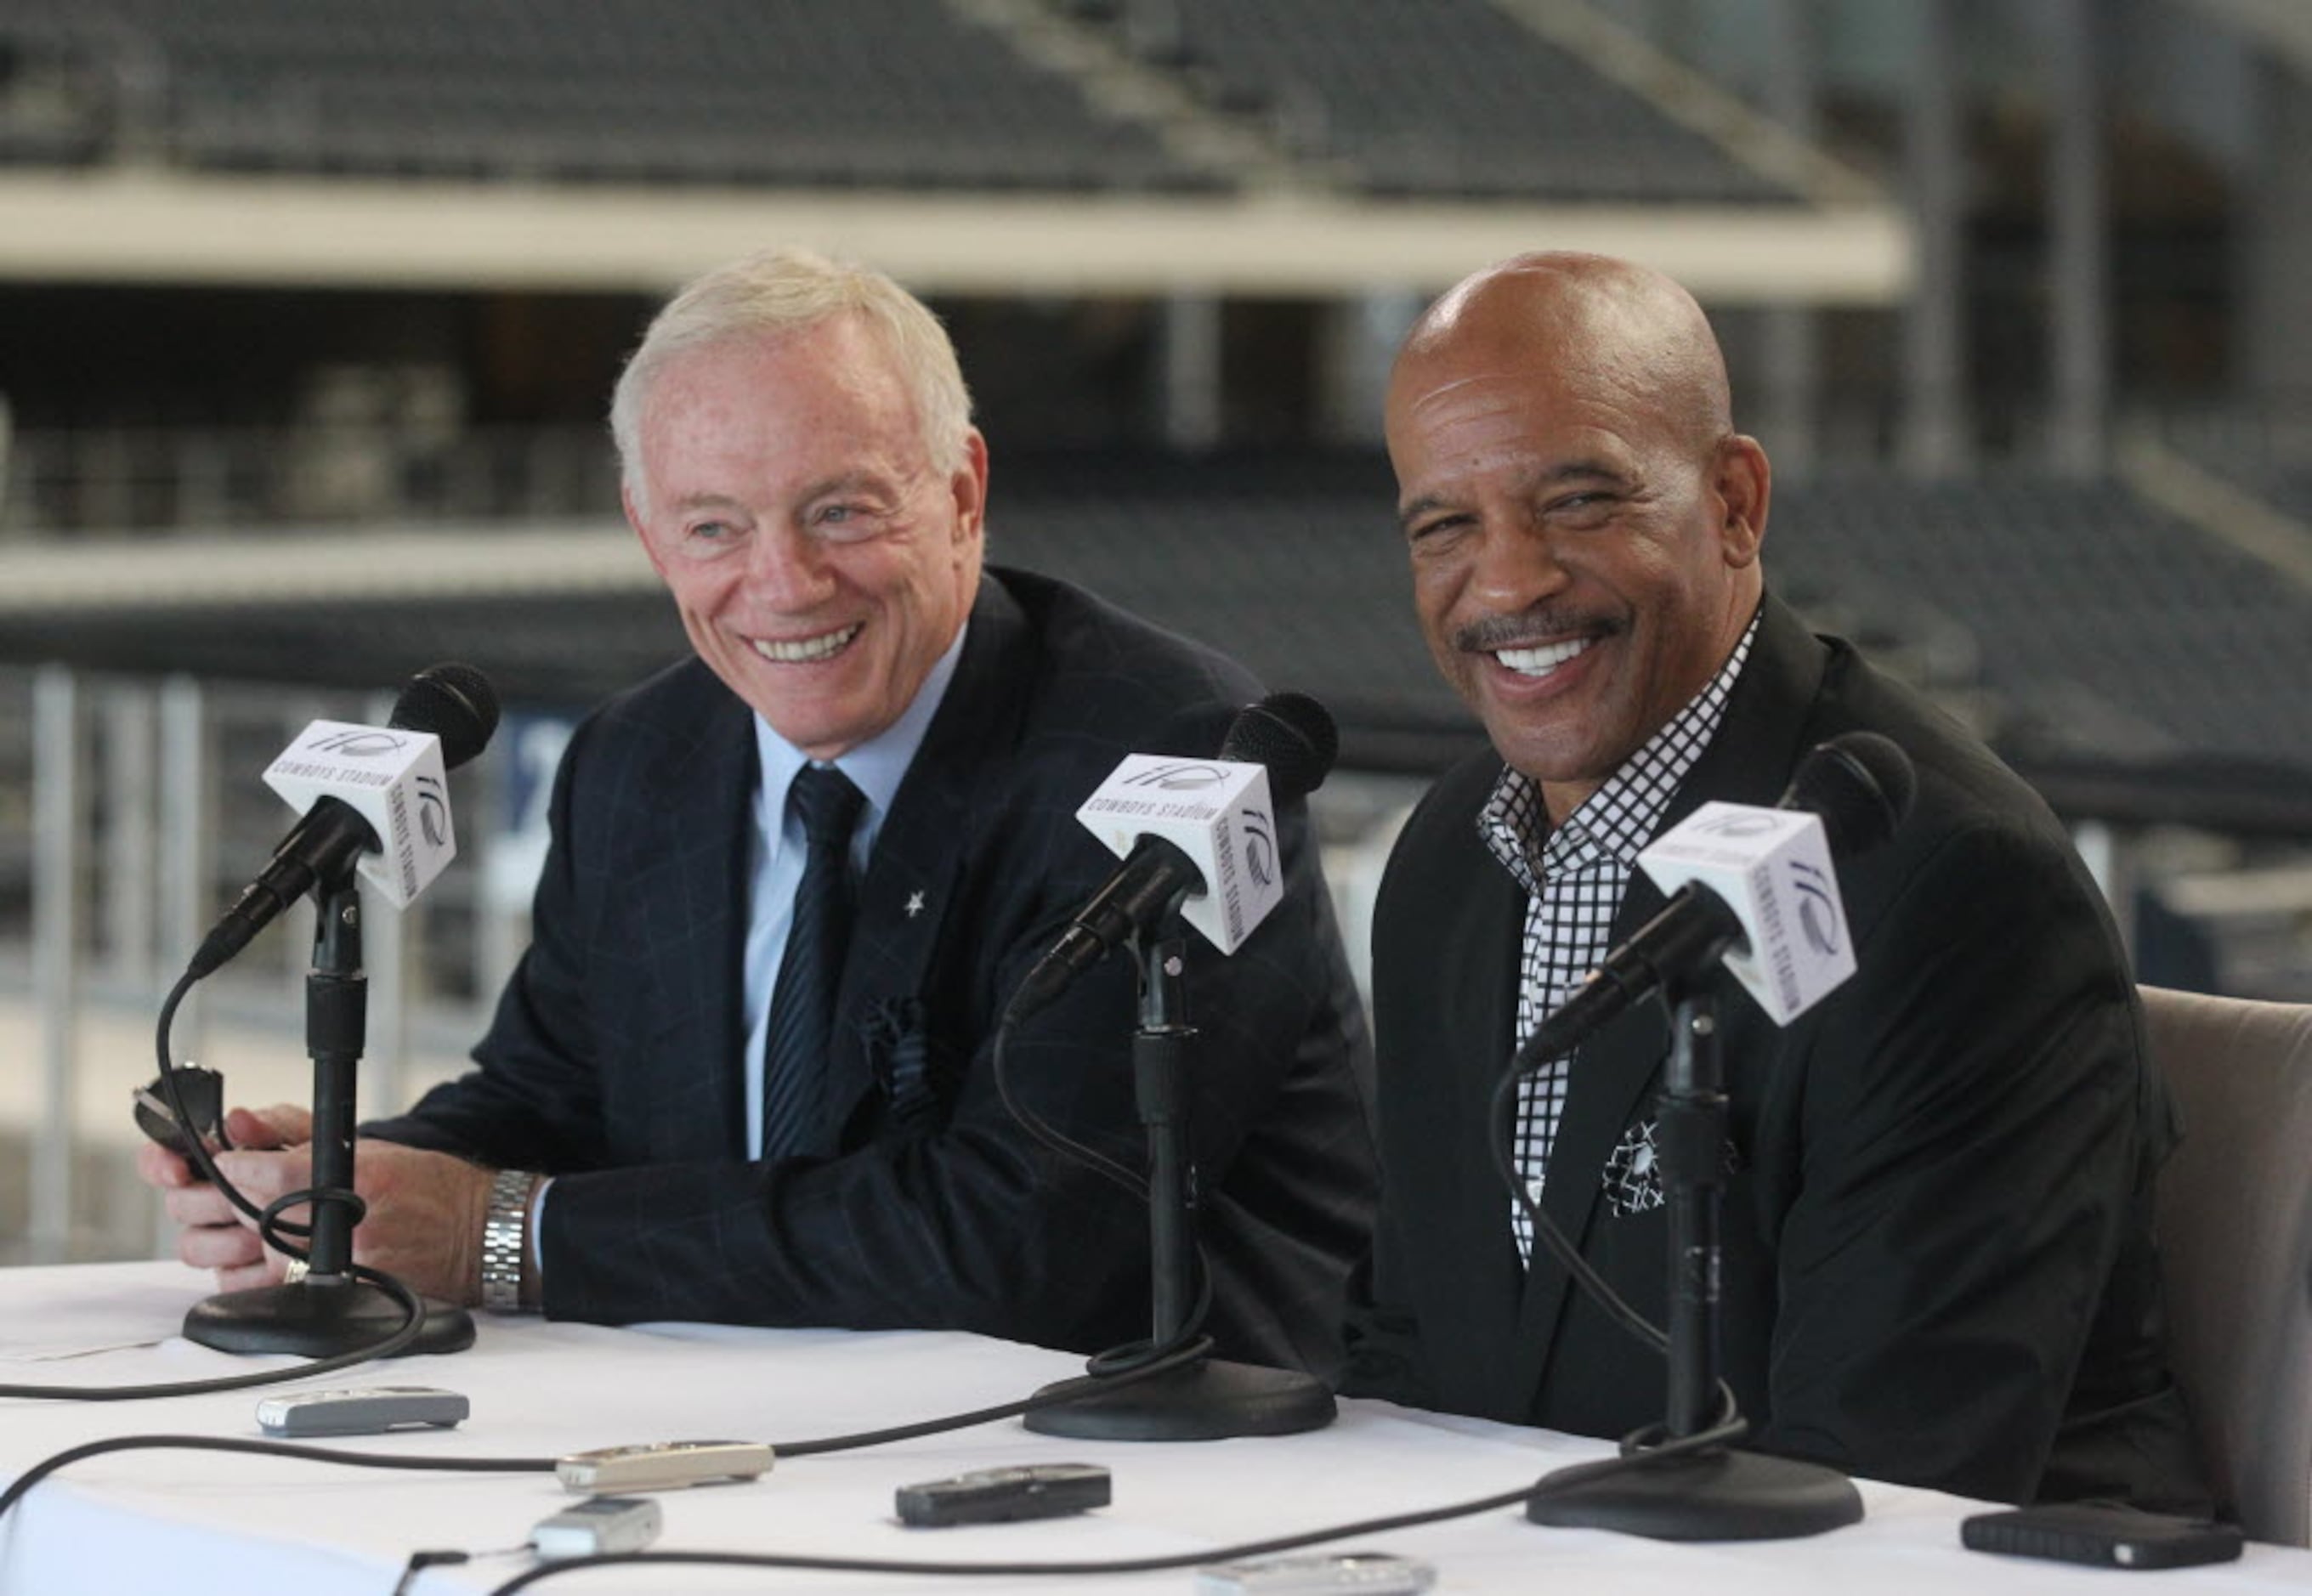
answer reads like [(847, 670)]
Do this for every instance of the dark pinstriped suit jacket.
[(1937, 1262), (614, 1061)]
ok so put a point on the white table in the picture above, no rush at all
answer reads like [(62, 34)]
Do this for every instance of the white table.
[(182, 1523)]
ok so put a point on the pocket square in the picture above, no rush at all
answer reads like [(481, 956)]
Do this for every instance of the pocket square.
[(1633, 1173), (899, 1051), (1633, 1179)]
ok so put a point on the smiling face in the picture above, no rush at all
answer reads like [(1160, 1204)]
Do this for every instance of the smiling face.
[(1583, 525), (821, 561)]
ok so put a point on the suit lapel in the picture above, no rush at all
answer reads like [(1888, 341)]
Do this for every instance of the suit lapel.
[(1617, 1070), (915, 874), (1446, 971), (1611, 1074), (705, 790), (1479, 966), (691, 833)]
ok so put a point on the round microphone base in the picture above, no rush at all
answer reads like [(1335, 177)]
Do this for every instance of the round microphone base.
[(320, 1321), (1206, 1400), (1709, 1495)]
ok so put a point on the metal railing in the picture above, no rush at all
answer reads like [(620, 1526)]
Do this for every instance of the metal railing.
[(142, 478), (138, 479), (131, 813)]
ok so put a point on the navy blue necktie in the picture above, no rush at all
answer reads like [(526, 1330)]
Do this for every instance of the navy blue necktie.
[(802, 1004)]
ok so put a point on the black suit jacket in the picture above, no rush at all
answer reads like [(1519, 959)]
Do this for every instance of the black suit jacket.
[(1937, 1262), (615, 1059)]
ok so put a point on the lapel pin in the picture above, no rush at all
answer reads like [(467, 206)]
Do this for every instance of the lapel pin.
[(914, 903)]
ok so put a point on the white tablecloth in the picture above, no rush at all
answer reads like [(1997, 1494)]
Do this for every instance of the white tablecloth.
[(184, 1523)]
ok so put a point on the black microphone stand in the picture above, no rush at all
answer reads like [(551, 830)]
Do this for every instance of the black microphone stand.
[(325, 1311), (1209, 1399), (1714, 1493)]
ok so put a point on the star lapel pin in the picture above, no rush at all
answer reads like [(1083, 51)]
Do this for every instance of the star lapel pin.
[(914, 904)]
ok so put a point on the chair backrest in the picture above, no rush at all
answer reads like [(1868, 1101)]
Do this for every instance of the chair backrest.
[(2235, 1232)]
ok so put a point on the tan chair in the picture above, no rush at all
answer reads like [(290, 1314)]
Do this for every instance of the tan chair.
[(2235, 1229)]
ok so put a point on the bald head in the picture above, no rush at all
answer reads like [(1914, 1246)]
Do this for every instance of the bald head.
[(1583, 520), (1628, 328)]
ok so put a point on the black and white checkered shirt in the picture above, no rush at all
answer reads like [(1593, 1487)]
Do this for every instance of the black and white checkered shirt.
[(1573, 878)]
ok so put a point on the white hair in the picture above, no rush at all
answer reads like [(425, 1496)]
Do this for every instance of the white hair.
[(790, 291)]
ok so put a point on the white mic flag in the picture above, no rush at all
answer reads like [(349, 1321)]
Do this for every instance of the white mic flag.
[(1772, 869), (1217, 813), (393, 778)]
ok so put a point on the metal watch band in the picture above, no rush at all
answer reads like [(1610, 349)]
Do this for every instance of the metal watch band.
[(505, 1240)]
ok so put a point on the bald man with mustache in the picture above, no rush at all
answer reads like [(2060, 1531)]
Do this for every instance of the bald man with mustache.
[(1938, 1266)]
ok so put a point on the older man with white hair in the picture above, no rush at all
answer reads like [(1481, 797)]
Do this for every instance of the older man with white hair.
[(745, 1072)]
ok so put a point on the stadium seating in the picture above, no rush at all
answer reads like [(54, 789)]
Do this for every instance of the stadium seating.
[(2101, 622), (853, 92), (1445, 97), (2072, 618)]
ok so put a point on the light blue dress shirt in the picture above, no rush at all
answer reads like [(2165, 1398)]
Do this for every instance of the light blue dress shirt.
[(775, 856), (774, 864)]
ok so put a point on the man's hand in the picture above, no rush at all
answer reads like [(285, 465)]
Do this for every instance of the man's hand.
[(217, 1236), (426, 1209)]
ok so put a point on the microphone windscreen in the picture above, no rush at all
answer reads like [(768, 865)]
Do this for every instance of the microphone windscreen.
[(456, 703), (1292, 734), (1860, 784)]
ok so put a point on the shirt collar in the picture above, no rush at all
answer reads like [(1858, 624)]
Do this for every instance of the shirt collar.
[(1615, 823), (877, 765)]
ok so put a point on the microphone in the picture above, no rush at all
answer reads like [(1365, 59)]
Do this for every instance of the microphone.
[(365, 791), (1198, 835), (1754, 887)]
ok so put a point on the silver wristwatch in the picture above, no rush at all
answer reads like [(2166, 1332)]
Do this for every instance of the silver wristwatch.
[(505, 1240)]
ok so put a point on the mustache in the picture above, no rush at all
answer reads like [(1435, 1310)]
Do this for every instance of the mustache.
[(1531, 628)]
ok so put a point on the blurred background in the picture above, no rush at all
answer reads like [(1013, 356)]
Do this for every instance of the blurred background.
[(310, 310)]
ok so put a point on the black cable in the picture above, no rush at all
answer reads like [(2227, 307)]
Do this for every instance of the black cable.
[(1177, 1354), (283, 1448), (1497, 1143), (412, 1309), (271, 1228), (1227, 1553), (1653, 1441), (1107, 1370), (1634, 1455), (419, 1562), (1497, 1137), (273, 1231), (1129, 1356), (1627, 1462), (1074, 1151)]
